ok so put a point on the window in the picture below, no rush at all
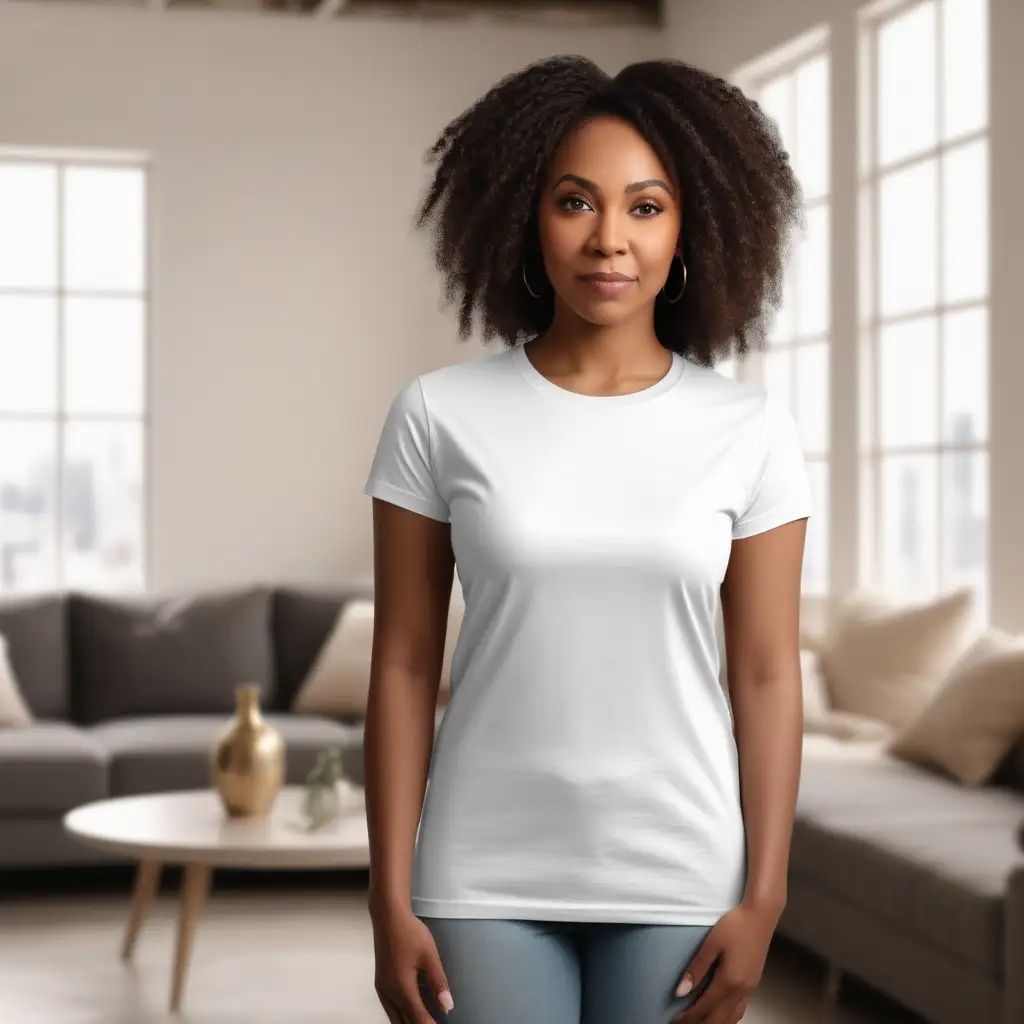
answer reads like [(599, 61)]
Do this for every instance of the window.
[(794, 91), (73, 328), (924, 387)]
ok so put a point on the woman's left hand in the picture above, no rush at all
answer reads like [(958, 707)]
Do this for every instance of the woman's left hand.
[(739, 941)]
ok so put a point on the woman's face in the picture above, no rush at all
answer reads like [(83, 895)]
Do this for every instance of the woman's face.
[(607, 207)]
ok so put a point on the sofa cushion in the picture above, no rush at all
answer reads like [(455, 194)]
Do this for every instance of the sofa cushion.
[(14, 712), (36, 631), (1010, 772), (47, 768), (169, 655), (926, 855), (303, 619), (885, 660), (153, 755), (973, 721)]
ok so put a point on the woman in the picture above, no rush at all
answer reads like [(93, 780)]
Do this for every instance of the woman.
[(604, 839)]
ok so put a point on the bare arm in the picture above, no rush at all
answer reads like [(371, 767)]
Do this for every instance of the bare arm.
[(413, 572), (761, 615)]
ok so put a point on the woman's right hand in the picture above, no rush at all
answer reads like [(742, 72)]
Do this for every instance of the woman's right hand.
[(403, 947)]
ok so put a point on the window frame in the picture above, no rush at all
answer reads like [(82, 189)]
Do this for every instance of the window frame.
[(58, 416), (753, 78), (872, 453)]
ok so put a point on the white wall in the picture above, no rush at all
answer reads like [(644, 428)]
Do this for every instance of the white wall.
[(723, 36), (291, 298)]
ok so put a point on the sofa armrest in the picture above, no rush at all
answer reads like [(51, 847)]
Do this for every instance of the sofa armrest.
[(1013, 945)]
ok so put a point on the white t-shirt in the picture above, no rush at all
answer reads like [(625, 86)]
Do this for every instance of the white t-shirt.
[(585, 768)]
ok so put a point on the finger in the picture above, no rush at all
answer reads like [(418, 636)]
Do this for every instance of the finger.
[(395, 1006), (412, 1004), (436, 984), (708, 1002), (699, 965), (726, 1014), (391, 1009), (741, 1009)]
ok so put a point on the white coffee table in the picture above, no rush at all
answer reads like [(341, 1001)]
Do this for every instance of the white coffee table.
[(191, 829)]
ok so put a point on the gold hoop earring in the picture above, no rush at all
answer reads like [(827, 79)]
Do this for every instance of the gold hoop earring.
[(536, 295), (681, 290)]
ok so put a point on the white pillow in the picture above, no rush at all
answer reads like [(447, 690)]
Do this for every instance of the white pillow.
[(977, 715), (13, 709), (885, 661), (338, 684)]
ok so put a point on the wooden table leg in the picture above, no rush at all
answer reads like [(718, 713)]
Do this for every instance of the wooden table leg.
[(147, 881), (195, 885)]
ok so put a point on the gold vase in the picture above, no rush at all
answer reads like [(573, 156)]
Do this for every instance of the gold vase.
[(248, 759)]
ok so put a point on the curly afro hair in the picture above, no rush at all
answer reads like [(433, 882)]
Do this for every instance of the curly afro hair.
[(741, 199)]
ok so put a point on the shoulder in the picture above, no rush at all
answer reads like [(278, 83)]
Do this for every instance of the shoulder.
[(457, 387), (739, 402), (467, 374)]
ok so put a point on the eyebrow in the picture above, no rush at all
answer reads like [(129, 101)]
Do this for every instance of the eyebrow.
[(636, 186)]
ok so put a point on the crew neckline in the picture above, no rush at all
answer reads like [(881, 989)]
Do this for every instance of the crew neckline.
[(539, 381)]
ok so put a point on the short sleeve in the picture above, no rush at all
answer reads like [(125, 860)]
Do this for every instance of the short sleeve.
[(402, 470), (780, 490)]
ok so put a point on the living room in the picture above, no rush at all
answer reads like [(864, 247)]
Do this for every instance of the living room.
[(211, 289)]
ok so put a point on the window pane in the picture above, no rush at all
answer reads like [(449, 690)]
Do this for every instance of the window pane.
[(964, 66), (812, 145), (28, 225), (906, 83), (965, 222), (867, 562), (783, 326), (778, 375), (815, 570), (103, 506), (776, 99), (27, 532), (965, 520), (908, 383), (104, 228), (965, 385), (104, 366), (812, 397), (813, 275), (909, 526), (908, 225), (28, 354)]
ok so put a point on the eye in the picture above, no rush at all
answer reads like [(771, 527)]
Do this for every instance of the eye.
[(565, 203), (653, 208)]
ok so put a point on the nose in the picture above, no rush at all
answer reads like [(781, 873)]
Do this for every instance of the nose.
[(609, 238)]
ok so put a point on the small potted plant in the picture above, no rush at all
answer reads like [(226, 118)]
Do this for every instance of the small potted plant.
[(321, 803)]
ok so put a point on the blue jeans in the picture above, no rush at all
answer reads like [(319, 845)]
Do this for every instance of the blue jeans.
[(562, 972)]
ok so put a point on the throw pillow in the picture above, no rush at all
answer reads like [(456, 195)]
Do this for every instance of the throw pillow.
[(846, 725), (885, 661), (815, 694), (976, 717), (175, 654), (13, 709), (338, 684)]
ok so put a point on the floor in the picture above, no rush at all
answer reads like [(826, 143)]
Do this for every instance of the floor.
[(267, 954)]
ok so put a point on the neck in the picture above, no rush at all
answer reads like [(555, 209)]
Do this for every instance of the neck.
[(574, 345)]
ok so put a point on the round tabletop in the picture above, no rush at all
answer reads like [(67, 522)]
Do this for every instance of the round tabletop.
[(192, 827)]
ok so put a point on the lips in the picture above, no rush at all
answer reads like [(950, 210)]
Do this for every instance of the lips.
[(608, 285)]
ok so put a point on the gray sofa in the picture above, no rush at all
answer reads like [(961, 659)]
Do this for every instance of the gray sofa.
[(909, 881), (129, 693), (914, 884)]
